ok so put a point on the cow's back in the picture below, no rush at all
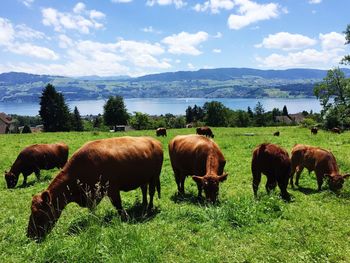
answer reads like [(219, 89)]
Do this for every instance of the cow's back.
[(125, 162), (188, 153)]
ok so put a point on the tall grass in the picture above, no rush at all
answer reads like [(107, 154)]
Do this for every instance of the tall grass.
[(314, 227)]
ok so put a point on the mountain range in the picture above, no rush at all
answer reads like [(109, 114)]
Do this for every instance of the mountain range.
[(204, 83)]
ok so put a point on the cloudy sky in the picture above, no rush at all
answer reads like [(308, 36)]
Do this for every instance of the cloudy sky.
[(137, 37)]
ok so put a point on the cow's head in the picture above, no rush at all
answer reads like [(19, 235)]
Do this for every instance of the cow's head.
[(210, 184), (42, 218), (11, 179), (336, 181)]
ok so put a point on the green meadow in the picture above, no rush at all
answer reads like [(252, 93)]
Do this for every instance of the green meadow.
[(313, 227)]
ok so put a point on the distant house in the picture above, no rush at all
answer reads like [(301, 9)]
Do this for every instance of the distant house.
[(6, 123), (291, 118)]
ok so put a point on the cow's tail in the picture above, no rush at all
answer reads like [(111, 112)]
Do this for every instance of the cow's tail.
[(158, 186)]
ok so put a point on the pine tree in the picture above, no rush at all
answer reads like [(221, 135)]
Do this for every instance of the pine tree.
[(54, 112), (77, 123)]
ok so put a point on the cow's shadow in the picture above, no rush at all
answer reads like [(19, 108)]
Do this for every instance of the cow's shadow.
[(135, 215), (306, 190), (187, 198)]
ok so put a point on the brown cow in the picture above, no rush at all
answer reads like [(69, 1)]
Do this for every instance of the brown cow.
[(161, 132), (335, 130), (277, 133), (101, 167), (34, 158), (273, 161), (200, 157), (206, 131), (314, 130), (319, 160)]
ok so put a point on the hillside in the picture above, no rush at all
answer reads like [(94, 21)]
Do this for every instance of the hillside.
[(204, 83)]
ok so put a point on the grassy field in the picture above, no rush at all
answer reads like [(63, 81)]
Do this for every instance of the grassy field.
[(314, 227)]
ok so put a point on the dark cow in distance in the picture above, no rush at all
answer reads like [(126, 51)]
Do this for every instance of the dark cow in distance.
[(273, 161), (201, 158), (277, 133), (206, 131), (35, 158), (319, 160), (314, 130), (336, 130), (161, 132), (98, 168)]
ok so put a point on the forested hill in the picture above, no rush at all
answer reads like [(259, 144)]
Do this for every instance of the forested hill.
[(204, 83), (223, 74)]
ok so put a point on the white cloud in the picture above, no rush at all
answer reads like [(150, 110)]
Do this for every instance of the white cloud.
[(9, 39), (190, 66), (250, 12), (185, 43), (150, 29), (332, 41), (27, 3), (121, 1), (25, 32), (81, 19), (7, 31), (315, 1), (332, 50), (215, 5), (216, 50), (286, 41), (64, 41), (177, 3), (33, 51), (218, 35)]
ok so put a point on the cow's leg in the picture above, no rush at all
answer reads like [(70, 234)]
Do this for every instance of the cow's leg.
[(271, 183), (114, 196), (144, 196), (256, 181), (178, 180), (299, 170), (292, 175), (182, 181), (199, 186), (282, 184), (25, 176), (319, 177), (152, 190), (37, 174)]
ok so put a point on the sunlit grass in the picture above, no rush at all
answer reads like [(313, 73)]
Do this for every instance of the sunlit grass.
[(314, 227)]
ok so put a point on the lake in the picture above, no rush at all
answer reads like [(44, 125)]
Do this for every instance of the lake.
[(157, 106)]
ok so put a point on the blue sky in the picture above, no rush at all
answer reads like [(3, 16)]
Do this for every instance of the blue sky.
[(137, 37)]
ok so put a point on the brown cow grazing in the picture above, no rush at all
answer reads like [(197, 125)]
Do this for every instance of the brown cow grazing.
[(277, 133), (98, 168), (206, 131), (314, 130), (335, 130), (201, 158), (274, 162), (35, 158), (319, 160), (161, 132)]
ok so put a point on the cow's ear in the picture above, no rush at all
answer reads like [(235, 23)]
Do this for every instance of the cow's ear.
[(345, 176), (197, 179), (46, 197), (223, 177)]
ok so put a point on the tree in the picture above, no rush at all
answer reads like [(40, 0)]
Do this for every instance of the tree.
[(77, 123), (54, 111), (114, 111), (189, 114), (334, 95), (215, 114), (284, 111), (346, 58), (97, 121), (26, 129), (250, 112), (259, 114), (140, 121)]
